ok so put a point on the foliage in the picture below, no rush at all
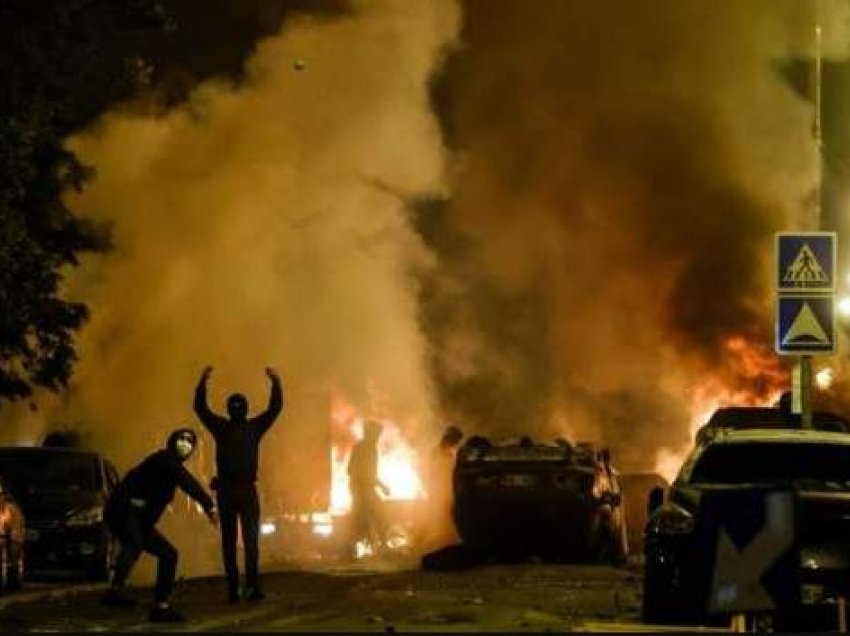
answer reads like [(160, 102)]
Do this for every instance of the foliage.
[(62, 63)]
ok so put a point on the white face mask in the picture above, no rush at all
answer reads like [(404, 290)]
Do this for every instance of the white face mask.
[(183, 447)]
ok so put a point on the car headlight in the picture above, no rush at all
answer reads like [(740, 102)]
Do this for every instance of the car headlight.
[(673, 520), (85, 517)]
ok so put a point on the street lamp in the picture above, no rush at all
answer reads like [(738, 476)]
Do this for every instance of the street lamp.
[(824, 378)]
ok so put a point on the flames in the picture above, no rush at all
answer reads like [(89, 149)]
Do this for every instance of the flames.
[(756, 378), (397, 460), (397, 465), (750, 376)]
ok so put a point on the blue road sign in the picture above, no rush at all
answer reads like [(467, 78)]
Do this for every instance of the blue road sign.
[(749, 550), (805, 262), (805, 324)]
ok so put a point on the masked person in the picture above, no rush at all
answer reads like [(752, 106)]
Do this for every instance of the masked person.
[(364, 485), (237, 443), (133, 510)]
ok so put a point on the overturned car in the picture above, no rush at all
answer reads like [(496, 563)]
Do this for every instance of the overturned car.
[(554, 501)]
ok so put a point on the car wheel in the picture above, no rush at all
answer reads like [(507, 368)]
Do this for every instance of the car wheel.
[(663, 604), (608, 545)]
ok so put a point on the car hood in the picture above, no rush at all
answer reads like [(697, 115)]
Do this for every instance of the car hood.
[(56, 504)]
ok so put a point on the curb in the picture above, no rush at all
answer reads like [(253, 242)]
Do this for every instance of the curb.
[(34, 596)]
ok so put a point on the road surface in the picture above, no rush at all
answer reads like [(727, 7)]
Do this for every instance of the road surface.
[(530, 597)]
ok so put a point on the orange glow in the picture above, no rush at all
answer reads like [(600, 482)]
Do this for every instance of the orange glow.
[(824, 378), (668, 463), (397, 465), (761, 381), (397, 461)]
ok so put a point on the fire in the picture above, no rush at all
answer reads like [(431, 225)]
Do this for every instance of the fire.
[(340, 494), (759, 380), (397, 465), (397, 460)]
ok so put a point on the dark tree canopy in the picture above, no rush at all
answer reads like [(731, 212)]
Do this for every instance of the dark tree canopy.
[(62, 63)]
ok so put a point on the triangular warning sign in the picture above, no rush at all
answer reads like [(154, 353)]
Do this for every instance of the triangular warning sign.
[(805, 269), (805, 329)]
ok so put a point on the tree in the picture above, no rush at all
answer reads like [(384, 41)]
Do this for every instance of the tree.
[(62, 63)]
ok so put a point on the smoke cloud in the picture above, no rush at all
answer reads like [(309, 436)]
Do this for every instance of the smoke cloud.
[(249, 232), (620, 171), (565, 226)]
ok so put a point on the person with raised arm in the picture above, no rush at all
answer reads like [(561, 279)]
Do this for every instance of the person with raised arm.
[(237, 442)]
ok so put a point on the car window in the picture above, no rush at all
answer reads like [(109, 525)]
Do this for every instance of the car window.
[(32, 472), (774, 462)]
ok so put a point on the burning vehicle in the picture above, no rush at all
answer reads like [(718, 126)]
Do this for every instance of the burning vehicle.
[(521, 499), (753, 447)]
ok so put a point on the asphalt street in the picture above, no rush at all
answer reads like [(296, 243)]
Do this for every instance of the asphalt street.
[(529, 597)]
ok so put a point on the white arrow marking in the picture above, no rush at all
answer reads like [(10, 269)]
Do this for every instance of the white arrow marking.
[(736, 585)]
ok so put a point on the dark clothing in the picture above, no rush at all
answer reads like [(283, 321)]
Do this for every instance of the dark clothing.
[(153, 483), (237, 443), (363, 466), (135, 538), (135, 506), (239, 506), (367, 523), (237, 446)]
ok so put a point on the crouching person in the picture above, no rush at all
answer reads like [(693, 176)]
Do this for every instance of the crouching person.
[(133, 510)]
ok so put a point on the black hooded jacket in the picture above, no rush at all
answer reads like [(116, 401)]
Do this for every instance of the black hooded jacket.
[(150, 486), (237, 444)]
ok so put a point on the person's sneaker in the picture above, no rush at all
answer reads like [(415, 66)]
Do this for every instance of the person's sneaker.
[(116, 598), (254, 594), (166, 615)]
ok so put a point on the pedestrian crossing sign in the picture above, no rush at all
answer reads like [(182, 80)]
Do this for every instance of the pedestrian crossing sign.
[(805, 262), (805, 324)]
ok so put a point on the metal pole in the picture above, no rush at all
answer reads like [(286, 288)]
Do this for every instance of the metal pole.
[(818, 131), (806, 361), (806, 390)]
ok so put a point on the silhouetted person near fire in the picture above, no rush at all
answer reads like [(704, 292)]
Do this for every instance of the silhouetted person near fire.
[(439, 527), (237, 443), (364, 483), (133, 510)]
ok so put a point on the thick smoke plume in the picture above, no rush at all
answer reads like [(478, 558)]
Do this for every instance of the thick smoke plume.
[(249, 232), (596, 262), (621, 170)]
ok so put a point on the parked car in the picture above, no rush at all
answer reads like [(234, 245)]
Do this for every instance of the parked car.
[(555, 501), (11, 540), (752, 448), (62, 492)]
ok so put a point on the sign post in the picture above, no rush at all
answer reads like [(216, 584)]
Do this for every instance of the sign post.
[(805, 305)]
